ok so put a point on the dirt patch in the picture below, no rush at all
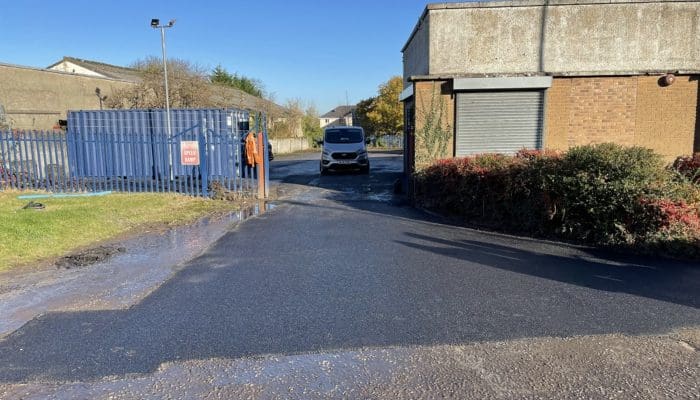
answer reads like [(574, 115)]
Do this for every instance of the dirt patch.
[(8, 288), (88, 257)]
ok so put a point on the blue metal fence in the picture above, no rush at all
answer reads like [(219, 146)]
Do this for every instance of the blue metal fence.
[(130, 151)]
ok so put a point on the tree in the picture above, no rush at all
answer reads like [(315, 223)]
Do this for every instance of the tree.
[(288, 124), (187, 83), (386, 114), (361, 118), (310, 124), (221, 76)]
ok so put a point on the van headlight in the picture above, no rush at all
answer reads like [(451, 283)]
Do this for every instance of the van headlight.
[(362, 154)]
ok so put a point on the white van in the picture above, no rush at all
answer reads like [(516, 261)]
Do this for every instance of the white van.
[(344, 147)]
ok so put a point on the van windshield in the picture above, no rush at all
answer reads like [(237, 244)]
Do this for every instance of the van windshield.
[(343, 136)]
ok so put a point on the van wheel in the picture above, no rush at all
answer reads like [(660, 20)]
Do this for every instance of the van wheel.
[(365, 170), (323, 170)]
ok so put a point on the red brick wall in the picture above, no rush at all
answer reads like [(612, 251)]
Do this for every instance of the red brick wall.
[(629, 110)]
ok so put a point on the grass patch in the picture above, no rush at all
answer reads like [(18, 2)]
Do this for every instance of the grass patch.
[(71, 223)]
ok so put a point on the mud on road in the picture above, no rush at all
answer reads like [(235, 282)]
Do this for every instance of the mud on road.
[(89, 256)]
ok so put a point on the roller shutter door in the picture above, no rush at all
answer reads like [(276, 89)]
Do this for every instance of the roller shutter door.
[(499, 121)]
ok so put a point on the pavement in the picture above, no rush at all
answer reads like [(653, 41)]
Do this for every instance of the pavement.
[(344, 291)]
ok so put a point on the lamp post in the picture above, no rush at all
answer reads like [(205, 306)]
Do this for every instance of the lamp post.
[(155, 24)]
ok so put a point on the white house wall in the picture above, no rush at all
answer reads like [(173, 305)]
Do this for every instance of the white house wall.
[(67, 66)]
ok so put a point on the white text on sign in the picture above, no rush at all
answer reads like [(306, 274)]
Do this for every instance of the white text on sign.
[(189, 152)]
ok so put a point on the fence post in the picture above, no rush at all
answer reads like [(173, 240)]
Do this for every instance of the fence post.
[(266, 159), (261, 167), (203, 170)]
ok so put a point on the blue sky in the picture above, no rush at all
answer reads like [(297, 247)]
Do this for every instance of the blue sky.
[(313, 50)]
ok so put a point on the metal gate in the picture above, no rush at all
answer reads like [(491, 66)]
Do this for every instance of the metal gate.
[(498, 121), (131, 151)]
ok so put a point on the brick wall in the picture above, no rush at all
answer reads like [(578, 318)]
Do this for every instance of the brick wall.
[(667, 119), (436, 98), (629, 110)]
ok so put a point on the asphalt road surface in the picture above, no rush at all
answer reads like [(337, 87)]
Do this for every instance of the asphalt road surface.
[(344, 291)]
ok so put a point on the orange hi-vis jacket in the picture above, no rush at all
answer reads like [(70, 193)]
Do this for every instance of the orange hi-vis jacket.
[(251, 149)]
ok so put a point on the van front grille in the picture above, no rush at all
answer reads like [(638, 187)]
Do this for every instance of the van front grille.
[(344, 156)]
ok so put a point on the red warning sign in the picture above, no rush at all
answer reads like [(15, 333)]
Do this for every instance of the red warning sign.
[(189, 152)]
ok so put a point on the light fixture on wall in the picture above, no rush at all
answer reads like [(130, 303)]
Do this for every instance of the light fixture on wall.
[(667, 80)]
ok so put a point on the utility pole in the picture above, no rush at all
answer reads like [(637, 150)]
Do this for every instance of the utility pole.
[(155, 24)]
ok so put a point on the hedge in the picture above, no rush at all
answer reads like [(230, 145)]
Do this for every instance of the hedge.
[(603, 194)]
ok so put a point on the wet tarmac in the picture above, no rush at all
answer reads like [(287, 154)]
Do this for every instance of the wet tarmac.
[(356, 295), (89, 280)]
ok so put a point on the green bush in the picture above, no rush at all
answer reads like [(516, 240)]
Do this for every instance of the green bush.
[(599, 187), (602, 194)]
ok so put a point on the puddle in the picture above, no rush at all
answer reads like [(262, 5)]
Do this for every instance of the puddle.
[(111, 277), (363, 194), (385, 197)]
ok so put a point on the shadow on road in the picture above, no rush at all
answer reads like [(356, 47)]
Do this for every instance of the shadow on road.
[(659, 279), (354, 271)]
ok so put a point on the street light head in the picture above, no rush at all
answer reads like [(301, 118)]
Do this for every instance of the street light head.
[(155, 22), (171, 23)]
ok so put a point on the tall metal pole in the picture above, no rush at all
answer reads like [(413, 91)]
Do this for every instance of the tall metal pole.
[(165, 72), (155, 23)]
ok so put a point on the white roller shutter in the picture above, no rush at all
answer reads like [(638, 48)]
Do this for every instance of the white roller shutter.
[(499, 121)]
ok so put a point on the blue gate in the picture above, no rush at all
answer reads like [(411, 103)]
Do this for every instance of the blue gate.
[(131, 151)]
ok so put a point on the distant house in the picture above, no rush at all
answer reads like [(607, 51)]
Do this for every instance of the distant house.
[(339, 116), (79, 66)]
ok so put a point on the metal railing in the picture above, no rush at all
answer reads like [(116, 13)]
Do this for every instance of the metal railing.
[(129, 158)]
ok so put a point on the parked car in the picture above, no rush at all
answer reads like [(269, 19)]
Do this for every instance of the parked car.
[(344, 148)]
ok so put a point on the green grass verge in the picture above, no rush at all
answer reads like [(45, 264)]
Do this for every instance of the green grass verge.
[(71, 223)]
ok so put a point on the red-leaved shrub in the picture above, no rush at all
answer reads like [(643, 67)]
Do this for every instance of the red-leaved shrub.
[(689, 167), (601, 194)]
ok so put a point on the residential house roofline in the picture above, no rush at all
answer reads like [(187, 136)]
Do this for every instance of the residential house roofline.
[(339, 112), (108, 70)]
